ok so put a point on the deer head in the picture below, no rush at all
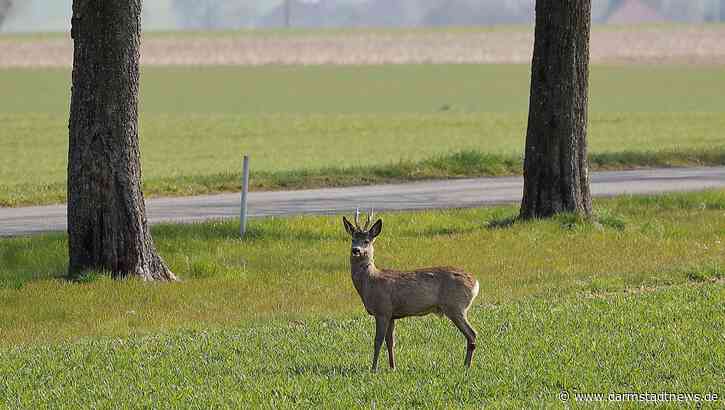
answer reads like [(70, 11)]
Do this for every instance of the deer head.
[(363, 237)]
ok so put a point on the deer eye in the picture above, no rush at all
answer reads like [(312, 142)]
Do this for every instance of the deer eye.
[(366, 242)]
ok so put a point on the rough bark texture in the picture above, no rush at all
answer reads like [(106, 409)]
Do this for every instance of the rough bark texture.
[(107, 228), (556, 176)]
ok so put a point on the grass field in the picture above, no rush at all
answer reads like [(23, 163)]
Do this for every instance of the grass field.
[(326, 126), (633, 305), (634, 302), (529, 352)]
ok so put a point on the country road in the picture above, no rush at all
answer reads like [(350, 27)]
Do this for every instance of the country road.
[(459, 193)]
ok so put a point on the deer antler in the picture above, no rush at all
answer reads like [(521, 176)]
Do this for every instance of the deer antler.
[(370, 218), (357, 218)]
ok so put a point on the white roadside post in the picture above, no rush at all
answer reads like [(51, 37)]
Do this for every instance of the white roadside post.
[(245, 191)]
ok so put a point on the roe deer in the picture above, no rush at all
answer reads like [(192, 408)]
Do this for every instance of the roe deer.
[(389, 295)]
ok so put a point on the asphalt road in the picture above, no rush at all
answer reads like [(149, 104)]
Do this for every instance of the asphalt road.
[(459, 193)]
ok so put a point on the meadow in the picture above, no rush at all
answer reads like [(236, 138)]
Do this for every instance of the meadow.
[(632, 303), (312, 126)]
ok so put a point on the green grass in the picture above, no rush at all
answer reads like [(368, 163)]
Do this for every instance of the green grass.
[(389, 89), (457, 165), (668, 340), (297, 266), (633, 304), (332, 126)]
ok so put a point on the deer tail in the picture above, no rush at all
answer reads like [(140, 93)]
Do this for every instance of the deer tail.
[(474, 291)]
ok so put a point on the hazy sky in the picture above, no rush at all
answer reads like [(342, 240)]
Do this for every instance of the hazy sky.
[(54, 15)]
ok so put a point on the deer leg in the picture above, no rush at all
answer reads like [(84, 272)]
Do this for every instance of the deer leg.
[(390, 343), (381, 328), (471, 346), (462, 324)]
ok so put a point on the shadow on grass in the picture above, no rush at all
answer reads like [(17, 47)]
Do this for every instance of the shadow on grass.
[(502, 222), (228, 230), (261, 233), (92, 277), (32, 258), (443, 231), (602, 218), (17, 282)]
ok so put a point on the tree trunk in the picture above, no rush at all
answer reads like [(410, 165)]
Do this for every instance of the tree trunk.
[(107, 228), (556, 175)]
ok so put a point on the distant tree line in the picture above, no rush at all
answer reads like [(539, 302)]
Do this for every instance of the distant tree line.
[(234, 14), (212, 14), (216, 14), (6, 6)]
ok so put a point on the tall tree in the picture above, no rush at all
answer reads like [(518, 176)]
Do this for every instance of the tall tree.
[(107, 228), (556, 174)]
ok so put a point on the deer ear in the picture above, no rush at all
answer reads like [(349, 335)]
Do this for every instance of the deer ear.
[(348, 226), (376, 229)]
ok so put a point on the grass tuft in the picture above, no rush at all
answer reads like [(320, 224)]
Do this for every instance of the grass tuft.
[(606, 217), (706, 273), (502, 222), (89, 277), (711, 200)]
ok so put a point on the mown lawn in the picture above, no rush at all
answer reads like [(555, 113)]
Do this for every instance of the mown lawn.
[(328, 126), (667, 340), (634, 303)]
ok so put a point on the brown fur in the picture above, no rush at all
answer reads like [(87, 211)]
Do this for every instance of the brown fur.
[(389, 295), (415, 293)]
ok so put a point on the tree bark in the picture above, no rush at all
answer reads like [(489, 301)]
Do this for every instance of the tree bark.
[(107, 227), (556, 175)]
